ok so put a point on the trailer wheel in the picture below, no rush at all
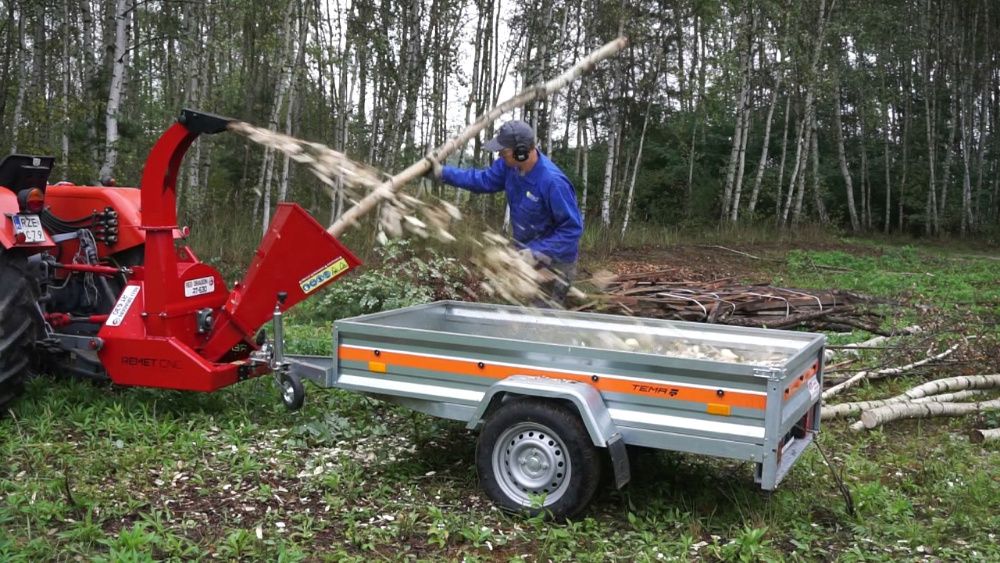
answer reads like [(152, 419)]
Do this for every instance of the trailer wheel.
[(20, 326), (293, 393), (531, 448)]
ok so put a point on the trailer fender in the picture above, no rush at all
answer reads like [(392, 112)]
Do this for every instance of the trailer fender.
[(587, 400)]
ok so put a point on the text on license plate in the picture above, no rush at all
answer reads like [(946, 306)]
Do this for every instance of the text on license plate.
[(30, 226)]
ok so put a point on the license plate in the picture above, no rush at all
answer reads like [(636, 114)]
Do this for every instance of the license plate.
[(30, 226)]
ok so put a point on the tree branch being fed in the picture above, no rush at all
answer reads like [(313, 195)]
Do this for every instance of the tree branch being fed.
[(419, 168)]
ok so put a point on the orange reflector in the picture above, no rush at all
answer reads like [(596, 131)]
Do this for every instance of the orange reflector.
[(32, 200), (376, 366), (716, 408)]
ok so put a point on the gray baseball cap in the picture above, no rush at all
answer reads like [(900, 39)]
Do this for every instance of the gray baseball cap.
[(510, 135)]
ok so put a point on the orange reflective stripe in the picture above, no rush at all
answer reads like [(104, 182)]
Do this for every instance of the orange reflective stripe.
[(801, 380), (475, 368)]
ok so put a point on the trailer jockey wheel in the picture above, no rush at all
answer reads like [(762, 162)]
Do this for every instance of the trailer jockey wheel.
[(20, 326), (293, 394), (533, 451)]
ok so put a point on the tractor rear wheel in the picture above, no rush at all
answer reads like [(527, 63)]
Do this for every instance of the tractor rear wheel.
[(20, 326)]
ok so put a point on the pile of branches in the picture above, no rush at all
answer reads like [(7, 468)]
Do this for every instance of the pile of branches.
[(950, 396), (723, 301)]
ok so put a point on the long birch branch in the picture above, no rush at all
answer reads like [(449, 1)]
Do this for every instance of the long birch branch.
[(888, 413), (931, 391), (861, 375), (419, 168), (845, 409)]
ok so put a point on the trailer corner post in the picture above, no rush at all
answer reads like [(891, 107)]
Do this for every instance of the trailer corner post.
[(767, 468)]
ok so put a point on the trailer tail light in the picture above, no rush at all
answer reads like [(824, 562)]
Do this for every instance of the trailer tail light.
[(32, 200)]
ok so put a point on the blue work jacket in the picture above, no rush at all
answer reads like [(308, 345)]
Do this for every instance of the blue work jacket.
[(543, 210)]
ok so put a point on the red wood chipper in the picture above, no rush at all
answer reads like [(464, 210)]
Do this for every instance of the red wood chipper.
[(93, 281)]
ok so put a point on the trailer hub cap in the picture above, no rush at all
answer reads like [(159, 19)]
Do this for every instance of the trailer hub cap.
[(529, 460)]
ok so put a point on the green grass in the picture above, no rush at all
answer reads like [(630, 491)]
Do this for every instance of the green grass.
[(114, 474)]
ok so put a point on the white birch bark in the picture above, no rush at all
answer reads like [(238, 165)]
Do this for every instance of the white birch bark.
[(64, 162), (824, 217), (862, 375), (585, 169), (290, 112), (21, 62), (784, 153), (966, 134), (888, 413), (844, 170), (800, 188), (119, 66), (635, 170), (734, 153), (280, 90), (842, 410), (609, 168), (983, 435), (887, 126), (752, 206), (796, 168), (738, 188)]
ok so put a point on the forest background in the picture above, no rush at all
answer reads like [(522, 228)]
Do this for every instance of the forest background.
[(847, 115)]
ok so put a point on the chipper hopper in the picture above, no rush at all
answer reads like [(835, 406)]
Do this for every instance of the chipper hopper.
[(94, 282)]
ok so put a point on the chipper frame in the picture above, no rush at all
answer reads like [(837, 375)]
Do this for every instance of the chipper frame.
[(169, 321)]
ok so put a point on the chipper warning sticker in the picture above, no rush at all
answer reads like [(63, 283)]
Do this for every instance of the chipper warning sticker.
[(315, 280), (123, 305)]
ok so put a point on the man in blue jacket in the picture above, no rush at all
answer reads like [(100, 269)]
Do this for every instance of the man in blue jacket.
[(543, 211)]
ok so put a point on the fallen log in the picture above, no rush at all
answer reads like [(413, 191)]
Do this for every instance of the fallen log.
[(845, 409), (979, 436), (888, 413)]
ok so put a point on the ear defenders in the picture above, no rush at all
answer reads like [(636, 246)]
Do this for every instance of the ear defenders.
[(521, 150)]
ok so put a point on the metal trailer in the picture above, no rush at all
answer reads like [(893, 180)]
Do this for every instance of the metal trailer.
[(547, 390)]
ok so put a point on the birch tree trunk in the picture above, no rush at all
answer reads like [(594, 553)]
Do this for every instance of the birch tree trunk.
[(738, 133), (21, 61), (585, 170), (817, 189), (609, 170), (784, 152), (763, 151), (800, 189), (949, 153), (64, 162), (796, 168), (118, 69), (738, 188), (965, 139), (931, 225), (635, 168), (280, 90), (294, 86), (844, 170), (887, 126)]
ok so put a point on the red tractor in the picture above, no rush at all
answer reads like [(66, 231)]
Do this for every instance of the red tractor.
[(95, 282)]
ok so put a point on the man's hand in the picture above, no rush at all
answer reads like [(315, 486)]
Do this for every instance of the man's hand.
[(434, 173), (527, 255)]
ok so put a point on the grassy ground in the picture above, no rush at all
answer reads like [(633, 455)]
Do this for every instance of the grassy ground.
[(101, 473)]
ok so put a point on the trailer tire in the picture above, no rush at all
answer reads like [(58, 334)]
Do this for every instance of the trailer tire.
[(532, 447), (20, 326)]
